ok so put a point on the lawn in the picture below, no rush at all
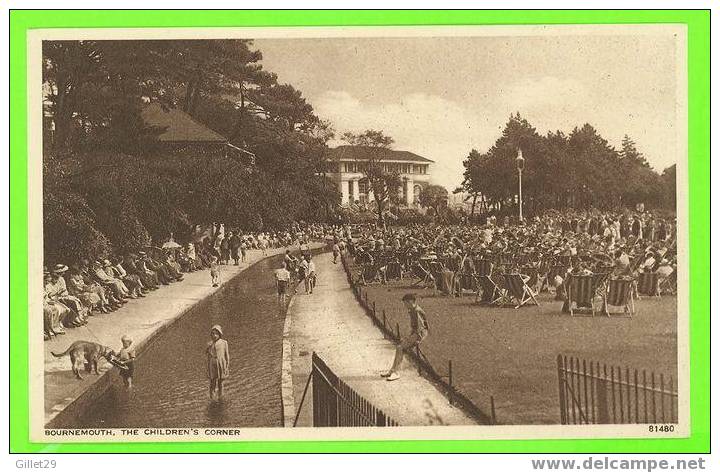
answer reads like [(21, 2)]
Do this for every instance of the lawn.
[(511, 353)]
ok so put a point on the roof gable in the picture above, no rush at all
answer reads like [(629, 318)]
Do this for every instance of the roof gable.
[(348, 152), (177, 126)]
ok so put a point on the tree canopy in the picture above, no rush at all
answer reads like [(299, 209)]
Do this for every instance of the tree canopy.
[(578, 170), (106, 187)]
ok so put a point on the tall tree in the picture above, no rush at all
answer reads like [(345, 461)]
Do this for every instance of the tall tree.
[(434, 197), (371, 149)]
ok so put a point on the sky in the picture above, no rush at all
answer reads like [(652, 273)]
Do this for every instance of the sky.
[(440, 97)]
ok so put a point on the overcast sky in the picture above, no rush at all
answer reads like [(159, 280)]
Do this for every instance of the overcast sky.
[(441, 97)]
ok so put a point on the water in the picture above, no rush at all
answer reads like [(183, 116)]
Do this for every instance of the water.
[(170, 381)]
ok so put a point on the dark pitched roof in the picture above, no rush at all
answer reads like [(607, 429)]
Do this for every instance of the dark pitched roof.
[(177, 126), (346, 152)]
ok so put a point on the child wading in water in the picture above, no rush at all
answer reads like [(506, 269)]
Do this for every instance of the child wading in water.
[(218, 361), (214, 274), (127, 358)]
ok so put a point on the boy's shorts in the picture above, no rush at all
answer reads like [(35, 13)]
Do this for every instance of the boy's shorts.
[(281, 287), (412, 339)]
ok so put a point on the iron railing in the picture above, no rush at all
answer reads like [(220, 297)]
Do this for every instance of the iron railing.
[(335, 404), (591, 393), (443, 378)]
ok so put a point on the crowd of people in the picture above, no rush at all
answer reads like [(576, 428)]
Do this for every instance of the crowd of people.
[(76, 291), (572, 242)]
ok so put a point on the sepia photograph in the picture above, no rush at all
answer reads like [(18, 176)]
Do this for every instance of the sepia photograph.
[(358, 233)]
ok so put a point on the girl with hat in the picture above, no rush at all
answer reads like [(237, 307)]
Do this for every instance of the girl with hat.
[(218, 361)]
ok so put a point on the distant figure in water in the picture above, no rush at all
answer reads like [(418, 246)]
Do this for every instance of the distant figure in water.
[(218, 361), (214, 274)]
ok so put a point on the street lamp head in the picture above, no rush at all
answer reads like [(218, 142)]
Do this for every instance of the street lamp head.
[(520, 161)]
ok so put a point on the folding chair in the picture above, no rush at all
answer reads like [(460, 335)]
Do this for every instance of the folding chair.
[(423, 274), (394, 269), (581, 292), (534, 279), (668, 284), (648, 284), (620, 294), (442, 282), (369, 273), (518, 290), (492, 293)]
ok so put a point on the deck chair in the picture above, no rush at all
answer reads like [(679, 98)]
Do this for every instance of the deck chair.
[(423, 274), (518, 290), (620, 294), (581, 292), (492, 293), (442, 282), (648, 284), (668, 284), (370, 273), (534, 278), (394, 269)]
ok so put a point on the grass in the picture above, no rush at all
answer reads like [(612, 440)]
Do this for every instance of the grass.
[(511, 354)]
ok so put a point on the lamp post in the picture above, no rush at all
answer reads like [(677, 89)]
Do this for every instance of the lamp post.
[(520, 161)]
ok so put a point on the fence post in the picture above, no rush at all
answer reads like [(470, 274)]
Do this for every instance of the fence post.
[(561, 390), (397, 330), (417, 353), (493, 419), (374, 313), (603, 411), (384, 324), (450, 382)]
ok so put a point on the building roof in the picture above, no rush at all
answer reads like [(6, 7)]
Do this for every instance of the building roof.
[(178, 126), (347, 152)]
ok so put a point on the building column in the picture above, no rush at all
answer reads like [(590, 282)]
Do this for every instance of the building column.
[(344, 190), (410, 195)]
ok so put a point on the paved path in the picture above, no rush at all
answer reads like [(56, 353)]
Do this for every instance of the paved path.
[(331, 323), (139, 318)]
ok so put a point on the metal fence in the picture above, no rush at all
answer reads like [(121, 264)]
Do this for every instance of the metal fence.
[(442, 377), (335, 404), (591, 393)]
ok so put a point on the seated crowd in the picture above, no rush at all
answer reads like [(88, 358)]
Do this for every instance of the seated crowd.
[(88, 287), (621, 243)]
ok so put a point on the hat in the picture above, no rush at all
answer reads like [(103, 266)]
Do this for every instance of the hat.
[(218, 329), (126, 338), (142, 253), (107, 263), (59, 268)]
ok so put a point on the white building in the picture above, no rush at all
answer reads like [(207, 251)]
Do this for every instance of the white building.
[(346, 169)]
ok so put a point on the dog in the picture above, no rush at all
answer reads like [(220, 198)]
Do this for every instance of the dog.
[(87, 353)]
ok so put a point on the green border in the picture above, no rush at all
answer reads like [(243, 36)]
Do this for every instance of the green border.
[(698, 24)]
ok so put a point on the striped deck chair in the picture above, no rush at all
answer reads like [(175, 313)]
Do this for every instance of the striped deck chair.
[(648, 284), (518, 290), (620, 294), (581, 292)]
